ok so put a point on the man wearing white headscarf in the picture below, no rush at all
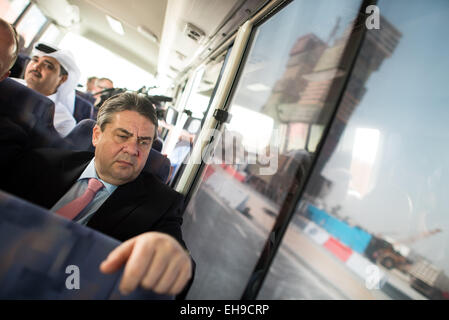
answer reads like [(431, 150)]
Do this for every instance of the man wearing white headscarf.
[(56, 76)]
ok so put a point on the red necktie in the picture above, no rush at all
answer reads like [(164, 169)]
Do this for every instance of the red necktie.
[(74, 207)]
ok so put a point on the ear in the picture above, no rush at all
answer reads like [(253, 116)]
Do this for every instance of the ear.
[(96, 135), (63, 79)]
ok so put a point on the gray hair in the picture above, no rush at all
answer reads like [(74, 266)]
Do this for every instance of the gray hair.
[(127, 101)]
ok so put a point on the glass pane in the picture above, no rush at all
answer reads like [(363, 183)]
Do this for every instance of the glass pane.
[(196, 106), (373, 222), (194, 126), (171, 116), (30, 25), (11, 9), (266, 141)]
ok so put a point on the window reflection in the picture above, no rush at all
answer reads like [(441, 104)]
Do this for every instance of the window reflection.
[(280, 105), (373, 221), (196, 108)]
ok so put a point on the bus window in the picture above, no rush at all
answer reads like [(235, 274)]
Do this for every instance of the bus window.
[(31, 24), (11, 9), (196, 105), (94, 59), (373, 221), (245, 183), (171, 116), (193, 125), (52, 35)]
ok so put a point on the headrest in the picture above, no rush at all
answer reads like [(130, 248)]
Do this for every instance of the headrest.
[(157, 144)]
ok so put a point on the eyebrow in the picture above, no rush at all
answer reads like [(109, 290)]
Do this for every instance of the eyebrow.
[(49, 62), (129, 134), (45, 60)]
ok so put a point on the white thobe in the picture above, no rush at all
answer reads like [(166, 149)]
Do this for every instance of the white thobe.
[(63, 121)]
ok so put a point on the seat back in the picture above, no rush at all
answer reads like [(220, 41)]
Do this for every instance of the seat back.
[(45, 256), (25, 104), (158, 164), (83, 109), (158, 144), (86, 95), (31, 110), (80, 139)]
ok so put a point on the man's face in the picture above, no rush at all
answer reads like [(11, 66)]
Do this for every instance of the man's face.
[(90, 86), (43, 75), (123, 147)]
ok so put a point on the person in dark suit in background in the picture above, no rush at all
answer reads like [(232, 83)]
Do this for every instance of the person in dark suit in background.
[(108, 191)]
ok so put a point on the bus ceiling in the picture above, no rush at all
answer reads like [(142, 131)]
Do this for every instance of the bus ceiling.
[(163, 37)]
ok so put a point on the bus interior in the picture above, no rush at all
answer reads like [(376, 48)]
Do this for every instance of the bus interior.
[(307, 137)]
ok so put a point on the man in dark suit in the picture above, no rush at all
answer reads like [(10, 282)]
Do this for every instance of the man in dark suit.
[(109, 192)]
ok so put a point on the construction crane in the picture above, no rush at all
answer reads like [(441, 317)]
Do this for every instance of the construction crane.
[(419, 236)]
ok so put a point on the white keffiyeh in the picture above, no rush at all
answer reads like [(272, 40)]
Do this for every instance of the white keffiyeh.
[(65, 93)]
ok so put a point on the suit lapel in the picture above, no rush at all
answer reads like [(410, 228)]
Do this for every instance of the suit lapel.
[(118, 206), (69, 171)]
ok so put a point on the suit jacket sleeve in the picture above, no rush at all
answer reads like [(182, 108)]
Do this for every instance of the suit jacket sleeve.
[(172, 221)]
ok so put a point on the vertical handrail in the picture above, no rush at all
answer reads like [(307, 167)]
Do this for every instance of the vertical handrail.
[(219, 102)]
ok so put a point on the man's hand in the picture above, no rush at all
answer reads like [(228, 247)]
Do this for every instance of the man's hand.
[(154, 260)]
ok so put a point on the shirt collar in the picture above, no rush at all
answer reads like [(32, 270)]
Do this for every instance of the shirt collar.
[(52, 97), (90, 172)]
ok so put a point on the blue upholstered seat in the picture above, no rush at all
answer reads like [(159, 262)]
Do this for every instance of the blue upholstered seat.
[(40, 251), (158, 144), (83, 109), (30, 110)]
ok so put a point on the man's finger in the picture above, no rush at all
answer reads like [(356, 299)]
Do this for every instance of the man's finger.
[(183, 277), (117, 257), (137, 265), (169, 274), (154, 271)]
